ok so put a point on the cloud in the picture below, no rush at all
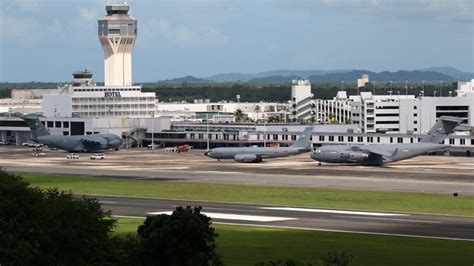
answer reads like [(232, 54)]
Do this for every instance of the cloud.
[(28, 5), (442, 10), (19, 28), (56, 26), (181, 34)]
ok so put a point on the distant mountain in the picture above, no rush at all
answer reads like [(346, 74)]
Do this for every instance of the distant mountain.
[(231, 77), (300, 73), (436, 74), (451, 71), (274, 79), (244, 77), (186, 79)]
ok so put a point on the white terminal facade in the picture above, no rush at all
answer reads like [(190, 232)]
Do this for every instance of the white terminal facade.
[(120, 107)]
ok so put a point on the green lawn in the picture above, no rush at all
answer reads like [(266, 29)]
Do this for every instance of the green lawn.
[(246, 245), (297, 196)]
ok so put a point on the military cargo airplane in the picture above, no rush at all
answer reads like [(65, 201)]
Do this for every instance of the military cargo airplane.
[(378, 154), (257, 154), (79, 143)]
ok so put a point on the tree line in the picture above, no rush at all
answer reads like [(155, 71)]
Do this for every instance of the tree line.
[(278, 92)]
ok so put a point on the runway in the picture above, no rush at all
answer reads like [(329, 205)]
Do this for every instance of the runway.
[(336, 220), (432, 174)]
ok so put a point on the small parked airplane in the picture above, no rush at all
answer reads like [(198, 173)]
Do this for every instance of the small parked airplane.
[(378, 154), (257, 154)]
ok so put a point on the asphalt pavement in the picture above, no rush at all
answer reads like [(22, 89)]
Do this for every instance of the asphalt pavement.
[(337, 220)]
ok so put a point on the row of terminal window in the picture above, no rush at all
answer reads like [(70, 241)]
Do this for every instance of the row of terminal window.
[(58, 124)]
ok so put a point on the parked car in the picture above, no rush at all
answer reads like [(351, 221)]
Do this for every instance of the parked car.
[(98, 156), (154, 146), (38, 149), (38, 154), (72, 156)]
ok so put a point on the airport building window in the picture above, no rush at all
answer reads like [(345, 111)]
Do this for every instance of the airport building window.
[(360, 139), (451, 141), (57, 124), (391, 140), (321, 138), (201, 136), (65, 124), (462, 141), (88, 133), (275, 137), (340, 138), (210, 136), (50, 124), (472, 141), (217, 136), (350, 139), (370, 139), (378, 139), (293, 137), (331, 138), (400, 140), (411, 140)]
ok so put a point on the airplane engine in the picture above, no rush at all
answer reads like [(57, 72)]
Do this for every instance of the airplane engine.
[(247, 158), (357, 156)]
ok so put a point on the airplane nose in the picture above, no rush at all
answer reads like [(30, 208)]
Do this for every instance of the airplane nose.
[(206, 153)]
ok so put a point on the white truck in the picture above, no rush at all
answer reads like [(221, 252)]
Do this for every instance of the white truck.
[(98, 156)]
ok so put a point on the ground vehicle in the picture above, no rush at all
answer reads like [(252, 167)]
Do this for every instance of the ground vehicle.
[(38, 154), (72, 156), (32, 144), (98, 156), (154, 146), (183, 148)]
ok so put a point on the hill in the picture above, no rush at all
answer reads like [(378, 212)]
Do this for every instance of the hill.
[(186, 79), (452, 72)]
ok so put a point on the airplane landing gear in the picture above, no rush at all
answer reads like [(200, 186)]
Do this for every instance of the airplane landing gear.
[(320, 164)]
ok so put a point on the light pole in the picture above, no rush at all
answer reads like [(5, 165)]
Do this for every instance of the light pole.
[(153, 130), (265, 133), (207, 130)]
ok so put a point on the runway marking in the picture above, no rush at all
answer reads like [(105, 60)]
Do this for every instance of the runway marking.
[(349, 231), (229, 216), (324, 230), (107, 202), (393, 219), (333, 211)]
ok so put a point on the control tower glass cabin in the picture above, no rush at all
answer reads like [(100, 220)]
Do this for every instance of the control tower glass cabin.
[(117, 34)]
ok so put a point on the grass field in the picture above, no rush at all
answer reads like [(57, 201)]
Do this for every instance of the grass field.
[(297, 196), (246, 245)]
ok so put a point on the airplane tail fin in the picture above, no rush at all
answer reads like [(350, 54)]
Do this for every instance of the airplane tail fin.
[(443, 127), (304, 140), (37, 128)]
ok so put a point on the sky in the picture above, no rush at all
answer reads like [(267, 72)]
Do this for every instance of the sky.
[(46, 40)]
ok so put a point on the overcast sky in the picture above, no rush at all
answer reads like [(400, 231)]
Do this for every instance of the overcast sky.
[(47, 40)]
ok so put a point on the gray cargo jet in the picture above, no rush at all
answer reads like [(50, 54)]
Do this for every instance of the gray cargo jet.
[(80, 143), (378, 154), (257, 154)]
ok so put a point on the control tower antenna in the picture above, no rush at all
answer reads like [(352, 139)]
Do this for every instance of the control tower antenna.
[(117, 35)]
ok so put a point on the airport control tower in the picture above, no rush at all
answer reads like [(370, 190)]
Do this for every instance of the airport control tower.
[(117, 34)]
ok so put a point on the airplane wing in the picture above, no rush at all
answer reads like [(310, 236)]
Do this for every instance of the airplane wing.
[(375, 150), (91, 145)]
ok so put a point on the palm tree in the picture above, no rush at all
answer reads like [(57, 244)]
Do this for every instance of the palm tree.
[(239, 115), (257, 110)]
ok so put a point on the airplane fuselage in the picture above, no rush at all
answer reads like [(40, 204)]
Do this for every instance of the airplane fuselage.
[(81, 143), (258, 152), (350, 155)]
